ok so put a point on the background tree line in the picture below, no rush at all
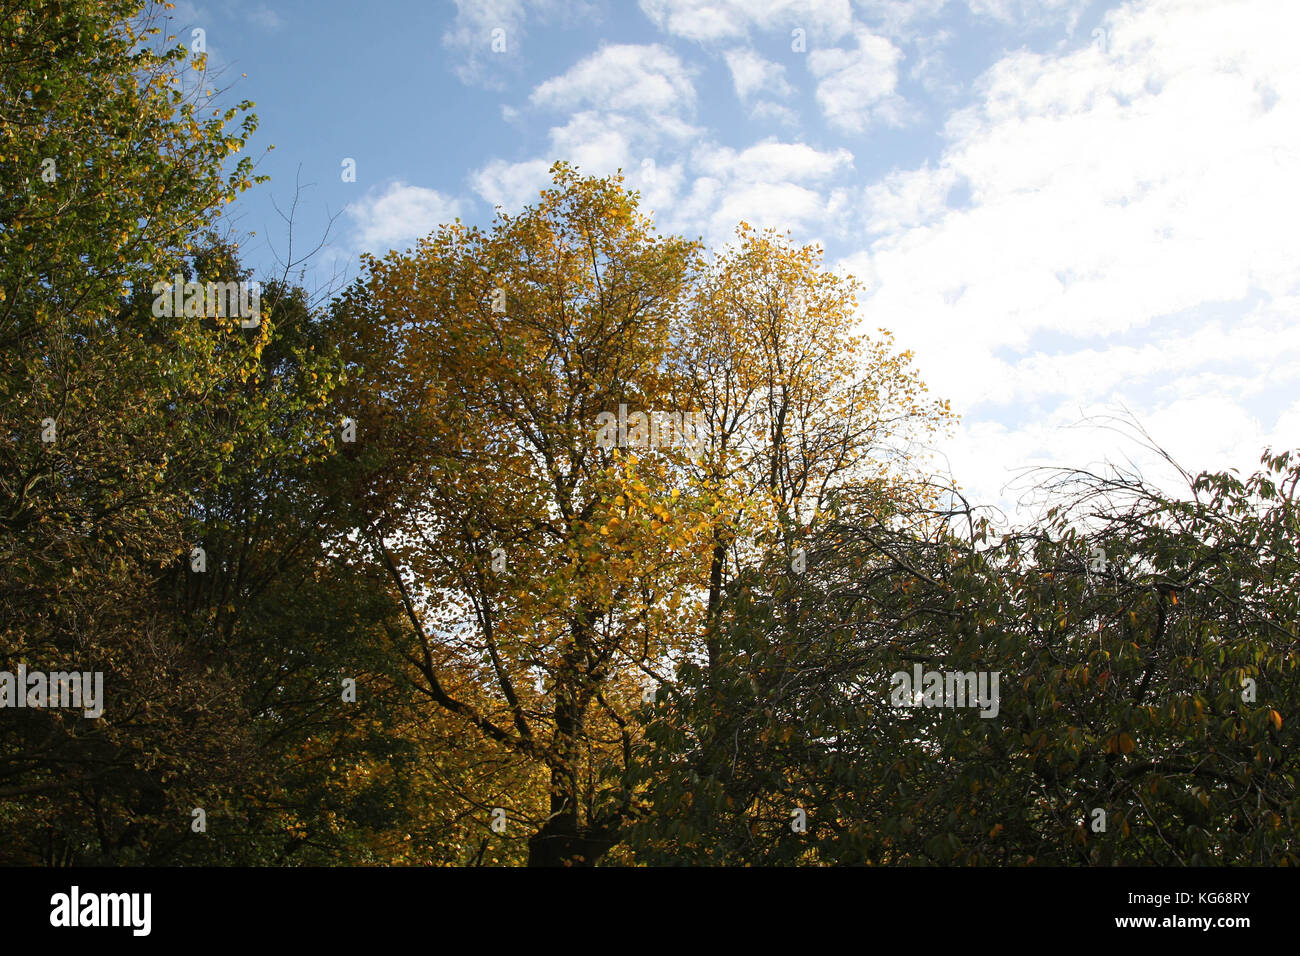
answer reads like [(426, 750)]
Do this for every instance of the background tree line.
[(636, 655)]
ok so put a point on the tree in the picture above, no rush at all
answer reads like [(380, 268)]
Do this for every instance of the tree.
[(109, 173), (798, 406), (553, 566), (1143, 643), (480, 364)]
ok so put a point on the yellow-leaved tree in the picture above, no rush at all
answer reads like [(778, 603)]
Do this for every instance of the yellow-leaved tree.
[(570, 432), (799, 406)]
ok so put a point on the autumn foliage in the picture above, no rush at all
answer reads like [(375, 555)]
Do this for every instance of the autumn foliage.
[(440, 620)]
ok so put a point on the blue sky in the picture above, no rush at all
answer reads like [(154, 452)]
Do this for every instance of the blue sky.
[(1065, 208)]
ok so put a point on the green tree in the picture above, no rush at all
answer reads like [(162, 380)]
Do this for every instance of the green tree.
[(1147, 681), (109, 173)]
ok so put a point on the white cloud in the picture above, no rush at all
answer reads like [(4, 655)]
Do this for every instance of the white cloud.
[(646, 78), (776, 205), (930, 67), (1105, 227), (478, 23), (904, 199), (625, 102), (597, 143), (750, 74), (772, 161), (898, 18), (1242, 358), (1286, 429), (1127, 206), (471, 35), (773, 114), (511, 185), (856, 87), (707, 20), (400, 212), (659, 184), (771, 183), (1025, 12)]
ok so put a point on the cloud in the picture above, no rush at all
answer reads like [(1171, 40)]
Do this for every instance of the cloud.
[(904, 199), (645, 78), (598, 143), (400, 212), (895, 18), (1104, 227), (1030, 12), (471, 35), (930, 66), (625, 102), (709, 20), (1124, 236), (479, 24), (511, 185), (750, 74), (771, 183), (856, 87), (1242, 357), (775, 205), (266, 18), (1286, 429), (765, 111), (772, 161)]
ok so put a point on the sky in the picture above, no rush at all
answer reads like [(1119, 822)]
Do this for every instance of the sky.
[(1068, 210)]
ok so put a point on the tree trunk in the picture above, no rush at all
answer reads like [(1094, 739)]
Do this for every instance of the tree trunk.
[(562, 841)]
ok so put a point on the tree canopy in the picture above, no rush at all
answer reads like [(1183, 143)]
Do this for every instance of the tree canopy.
[(559, 541)]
